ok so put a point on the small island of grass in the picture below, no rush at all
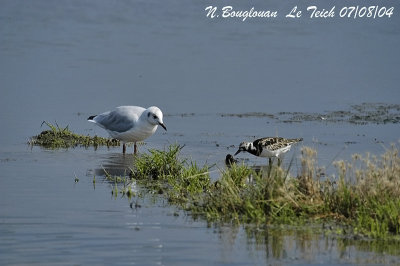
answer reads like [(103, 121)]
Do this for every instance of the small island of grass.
[(58, 137)]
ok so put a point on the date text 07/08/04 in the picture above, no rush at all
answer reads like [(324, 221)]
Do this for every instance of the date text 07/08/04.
[(313, 12)]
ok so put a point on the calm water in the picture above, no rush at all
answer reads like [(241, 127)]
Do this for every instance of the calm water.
[(65, 60)]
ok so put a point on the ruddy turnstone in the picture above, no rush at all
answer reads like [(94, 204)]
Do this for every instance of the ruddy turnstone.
[(268, 147), (130, 123)]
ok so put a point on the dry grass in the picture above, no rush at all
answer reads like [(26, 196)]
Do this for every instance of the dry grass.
[(368, 193)]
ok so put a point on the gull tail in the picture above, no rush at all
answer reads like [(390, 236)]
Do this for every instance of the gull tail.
[(90, 118)]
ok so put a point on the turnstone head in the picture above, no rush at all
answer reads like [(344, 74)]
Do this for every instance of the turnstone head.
[(245, 146)]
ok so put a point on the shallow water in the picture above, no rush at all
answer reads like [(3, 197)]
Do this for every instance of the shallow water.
[(67, 60)]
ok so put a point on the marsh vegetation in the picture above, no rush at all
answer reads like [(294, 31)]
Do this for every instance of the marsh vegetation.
[(63, 137), (363, 196), (362, 199)]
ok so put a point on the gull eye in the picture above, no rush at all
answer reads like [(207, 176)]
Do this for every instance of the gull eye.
[(154, 116)]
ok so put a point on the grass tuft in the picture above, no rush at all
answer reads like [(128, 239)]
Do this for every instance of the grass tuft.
[(58, 137), (163, 172)]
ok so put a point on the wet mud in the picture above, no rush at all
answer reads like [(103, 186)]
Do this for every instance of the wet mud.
[(361, 114)]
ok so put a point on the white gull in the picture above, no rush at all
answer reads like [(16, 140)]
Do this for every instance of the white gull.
[(130, 123)]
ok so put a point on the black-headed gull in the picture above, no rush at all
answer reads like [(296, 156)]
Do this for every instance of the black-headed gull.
[(130, 123)]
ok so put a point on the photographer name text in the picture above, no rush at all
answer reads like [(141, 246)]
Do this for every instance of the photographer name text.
[(311, 12)]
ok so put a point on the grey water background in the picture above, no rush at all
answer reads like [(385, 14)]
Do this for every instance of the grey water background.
[(65, 60)]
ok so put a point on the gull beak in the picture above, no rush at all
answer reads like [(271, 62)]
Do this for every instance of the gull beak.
[(163, 126), (239, 150)]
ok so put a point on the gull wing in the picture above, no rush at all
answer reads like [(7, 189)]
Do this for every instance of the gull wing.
[(117, 120)]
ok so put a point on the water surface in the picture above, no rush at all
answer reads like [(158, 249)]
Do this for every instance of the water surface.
[(63, 61)]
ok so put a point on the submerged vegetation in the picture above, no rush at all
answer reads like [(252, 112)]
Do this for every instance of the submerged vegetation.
[(365, 196), (58, 137)]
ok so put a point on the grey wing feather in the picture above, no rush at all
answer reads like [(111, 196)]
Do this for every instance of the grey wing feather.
[(115, 121)]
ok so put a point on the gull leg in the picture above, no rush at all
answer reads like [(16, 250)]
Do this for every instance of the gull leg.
[(270, 161), (279, 161), (123, 148), (135, 149)]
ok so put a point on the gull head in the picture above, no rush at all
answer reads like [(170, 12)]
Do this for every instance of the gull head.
[(155, 116), (244, 146)]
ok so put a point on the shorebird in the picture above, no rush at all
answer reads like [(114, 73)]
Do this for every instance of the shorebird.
[(130, 123), (268, 147)]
